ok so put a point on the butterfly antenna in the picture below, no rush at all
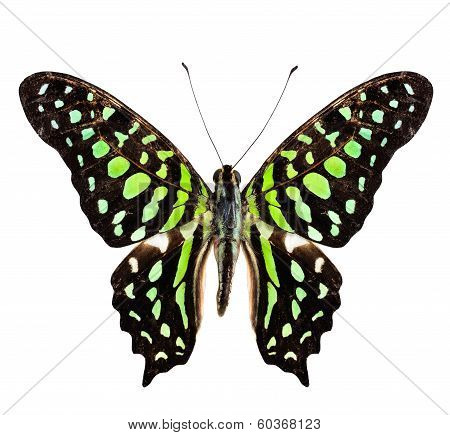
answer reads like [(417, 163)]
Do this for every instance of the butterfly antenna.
[(200, 112), (270, 117)]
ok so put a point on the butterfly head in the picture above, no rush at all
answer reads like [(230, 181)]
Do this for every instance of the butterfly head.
[(227, 174)]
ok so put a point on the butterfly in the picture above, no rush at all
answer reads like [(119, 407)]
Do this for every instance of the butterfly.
[(135, 186)]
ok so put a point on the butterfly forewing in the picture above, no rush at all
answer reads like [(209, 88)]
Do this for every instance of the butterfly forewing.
[(295, 292), (132, 181), (321, 180), (158, 292)]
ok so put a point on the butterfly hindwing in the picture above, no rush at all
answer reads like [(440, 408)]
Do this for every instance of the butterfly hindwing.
[(132, 181), (320, 182), (294, 292), (158, 292)]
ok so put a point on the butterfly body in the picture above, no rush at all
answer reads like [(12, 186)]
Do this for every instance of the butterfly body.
[(136, 187), (227, 210)]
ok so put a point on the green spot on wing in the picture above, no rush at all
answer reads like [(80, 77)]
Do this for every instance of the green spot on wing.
[(139, 234), (118, 217), (151, 209), (180, 300), (334, 230), (129, 291), (393, 103), (350, 206), (361, 183), (252, 206), (271, 300), (272, 342), (147, 336), (102, 206), (183, 261), (295, 309), (290, 155), (135, 185), (309, 158), (317, 184), (300, 293), (319, 128), (268, 181), (87, 133), (174, 218), (323, 291), (135, 315), (345, 112), (297, 271), (151, 294), (91, 181), (203, 189), (305, 139), (290, 355), (182, 197), (144, 158), (107, 112), (353, 148), (201, 205), (149, 138), (162, 171), (100, 149), (43, 89), (332, 138), (314, 234), (155, 271), (75, 116), (317, 315), (134, 128), (377, 116), (287, 330), (185, 178), (290, 171), (271, 198), (121, 138), (163, 155), (334, 217), (118, 166), (269, 260), (160, 355), (335, 166), (279, 219), (366, 133), (180, 343), (165, 330), (156, 310), (305, 336)]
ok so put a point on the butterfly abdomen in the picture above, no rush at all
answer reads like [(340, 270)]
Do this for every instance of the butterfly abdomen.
[(227, 230)]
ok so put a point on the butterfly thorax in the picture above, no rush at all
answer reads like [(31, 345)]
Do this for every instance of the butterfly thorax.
[(227, 229)]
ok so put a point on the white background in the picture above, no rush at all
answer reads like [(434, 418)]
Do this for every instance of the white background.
[(55, 270)]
